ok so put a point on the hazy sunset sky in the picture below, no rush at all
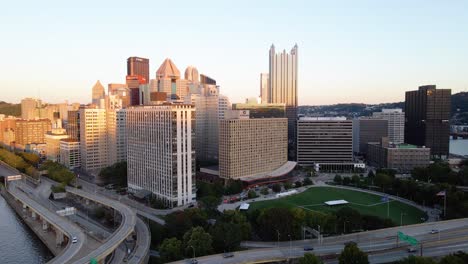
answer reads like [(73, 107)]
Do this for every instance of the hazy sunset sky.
[(349, 51)]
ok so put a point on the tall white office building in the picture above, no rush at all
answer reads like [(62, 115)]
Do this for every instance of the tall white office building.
[(161, 152), (396, 124)]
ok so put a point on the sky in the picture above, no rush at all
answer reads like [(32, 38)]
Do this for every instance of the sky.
[(349, 51)]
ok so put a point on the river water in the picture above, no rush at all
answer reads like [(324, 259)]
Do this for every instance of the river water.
[(18, 244), (459, 146)]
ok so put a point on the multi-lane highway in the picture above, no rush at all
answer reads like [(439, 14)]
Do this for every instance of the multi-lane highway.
[(76, 253), (380, 244)]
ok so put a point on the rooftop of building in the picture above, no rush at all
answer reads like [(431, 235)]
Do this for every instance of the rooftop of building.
[(70, 140), (323, 118)]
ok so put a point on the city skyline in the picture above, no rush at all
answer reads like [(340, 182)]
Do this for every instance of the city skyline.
[(356, 49)]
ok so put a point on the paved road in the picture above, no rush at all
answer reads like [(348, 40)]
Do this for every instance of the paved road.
[(380, 244), (143, 243), (64, 225)]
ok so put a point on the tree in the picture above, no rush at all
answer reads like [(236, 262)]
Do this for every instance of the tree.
[(265, 191), (355, 179), (452, 259), (210, 203), (309, 258), (252, 194), (116, 173), (371, 174), (233, 187), (307, 182), (297, 184), (274, 220), (338, 179), (171, 250), (276, 187), (346, 180), (383, 180), (197, 242), (287, 185), (226, 236), (236, 217), (416, 260), (351, 254)]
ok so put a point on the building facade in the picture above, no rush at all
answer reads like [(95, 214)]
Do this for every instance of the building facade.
[(94, 139), (98, 93), (400, 157), (161, 152), (73, 125), (31, 131), (251, 147), (263, 110), (283, 76), (324, 141), (396, 124), (137, 66), (427, 115), (70, 154), (368, 130), (52, 140), (264, 82)]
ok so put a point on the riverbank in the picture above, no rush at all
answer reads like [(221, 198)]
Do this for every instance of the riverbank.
[(47, 238)]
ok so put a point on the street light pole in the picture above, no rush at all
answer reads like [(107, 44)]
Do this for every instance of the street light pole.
[(193, 251), (290, 246), (401, 218), (277, 231)]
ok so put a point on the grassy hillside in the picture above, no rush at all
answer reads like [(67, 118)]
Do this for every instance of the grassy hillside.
[(10, 109)]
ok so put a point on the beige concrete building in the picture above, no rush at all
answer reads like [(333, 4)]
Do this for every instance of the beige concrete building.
[(52, 141), (161, 152), (70, 155), (31, 131), (400, 157), (251, 147), (97, 133)]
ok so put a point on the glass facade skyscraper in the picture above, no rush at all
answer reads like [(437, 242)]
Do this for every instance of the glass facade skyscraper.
[(427, 115), (283, 89)]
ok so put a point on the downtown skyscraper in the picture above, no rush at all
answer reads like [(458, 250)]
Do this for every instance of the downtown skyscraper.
[(283, 89), (427, 115), (137, 66)]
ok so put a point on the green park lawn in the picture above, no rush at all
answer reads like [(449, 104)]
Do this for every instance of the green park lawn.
[(367, 204)]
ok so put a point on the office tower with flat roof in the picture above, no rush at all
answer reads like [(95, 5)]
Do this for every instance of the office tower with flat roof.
[(52, 140), (29, 108), (400, 157), (7, 128), (93, 139), (98, 93), (396, 124), (264, 82), (325, 142), (366, 130), (98, 139), (161, 152), (70, 155), (283, 74), (73, 125), (427, 115), (253, 149), (31, 131), (137, 66)]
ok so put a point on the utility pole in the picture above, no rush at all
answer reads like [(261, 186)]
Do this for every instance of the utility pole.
[(445, 204), (277, 245)]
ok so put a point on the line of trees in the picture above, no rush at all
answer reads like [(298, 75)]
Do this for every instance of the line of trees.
[(22, 161)]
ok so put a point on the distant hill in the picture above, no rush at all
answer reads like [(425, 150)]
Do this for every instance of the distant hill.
[(459, 108), (10, 109)]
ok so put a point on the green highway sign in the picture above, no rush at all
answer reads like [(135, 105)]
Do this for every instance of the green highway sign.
[(93, 261), (409, 239)]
